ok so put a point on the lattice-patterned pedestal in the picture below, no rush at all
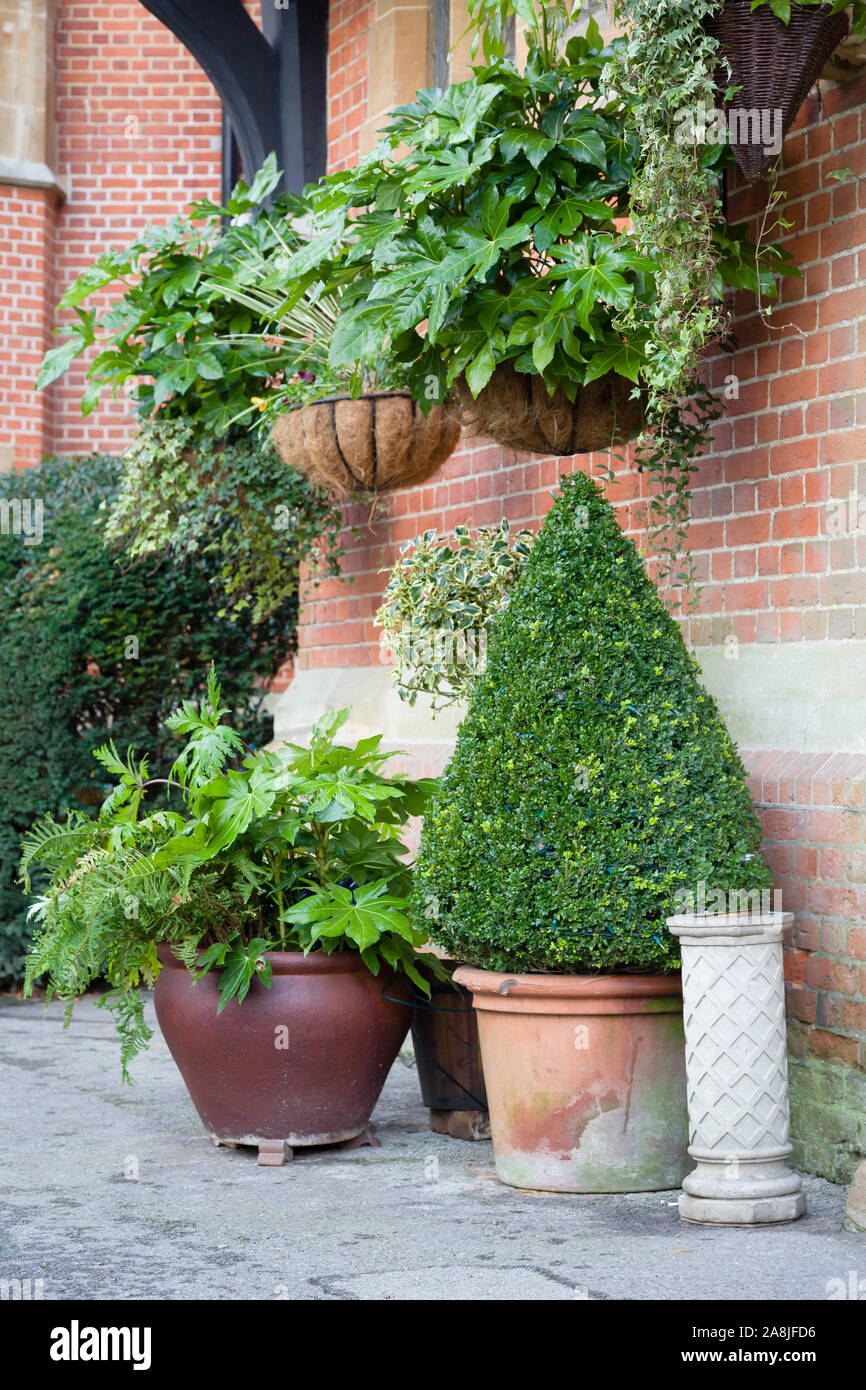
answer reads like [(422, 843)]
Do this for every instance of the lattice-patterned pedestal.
[(737, 1068)]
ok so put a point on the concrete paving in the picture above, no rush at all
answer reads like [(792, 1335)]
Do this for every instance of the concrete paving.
[(110, 1191)]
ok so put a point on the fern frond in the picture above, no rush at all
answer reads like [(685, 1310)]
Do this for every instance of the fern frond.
[(109, 758), (101, 876), (188, 951), (127, 1008), (56, 845)]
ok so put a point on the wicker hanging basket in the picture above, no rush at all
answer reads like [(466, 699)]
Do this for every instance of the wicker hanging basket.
[(773, 65), (515, 410), (370, 443)]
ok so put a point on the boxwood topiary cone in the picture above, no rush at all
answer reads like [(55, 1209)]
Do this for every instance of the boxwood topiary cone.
[(593, 776)]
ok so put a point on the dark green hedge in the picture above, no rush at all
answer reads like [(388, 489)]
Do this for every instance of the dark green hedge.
[(69, 609), (593, 776)]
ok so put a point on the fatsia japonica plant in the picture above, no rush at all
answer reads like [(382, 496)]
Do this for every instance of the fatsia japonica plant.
[(246, 852), (490, 229), (483, 231)]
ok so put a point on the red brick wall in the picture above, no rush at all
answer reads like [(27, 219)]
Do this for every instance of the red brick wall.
[(349, 21), (138, 138), (792, 441), (812, 808), (27, 232), (813, 811), (788, 446)]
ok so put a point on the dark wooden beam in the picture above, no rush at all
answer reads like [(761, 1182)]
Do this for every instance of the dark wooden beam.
[(240, 63), (298, 32), (272, 82)]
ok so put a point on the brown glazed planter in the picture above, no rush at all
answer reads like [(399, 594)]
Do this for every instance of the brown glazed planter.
[(586, 1079), (298, 1064)]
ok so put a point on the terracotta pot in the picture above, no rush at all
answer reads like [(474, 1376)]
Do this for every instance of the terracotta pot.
[(586, 1079), (300, 1063), (447, 1049)]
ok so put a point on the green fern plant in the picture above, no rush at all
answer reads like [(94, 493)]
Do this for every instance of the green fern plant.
[(295, 849)]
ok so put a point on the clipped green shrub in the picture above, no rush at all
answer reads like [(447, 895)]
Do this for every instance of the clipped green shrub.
[(95, 644), (593, 776)]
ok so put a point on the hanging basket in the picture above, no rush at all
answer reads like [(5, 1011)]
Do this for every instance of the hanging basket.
[(773, 65), (516, 411), (369, 443)]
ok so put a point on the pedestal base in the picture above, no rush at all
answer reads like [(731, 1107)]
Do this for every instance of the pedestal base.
[(741, 1191), (741, 1211), (737, 1066)]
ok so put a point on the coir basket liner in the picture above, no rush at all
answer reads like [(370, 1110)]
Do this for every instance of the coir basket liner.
[(773, 65), (371, 443), (516, 410)]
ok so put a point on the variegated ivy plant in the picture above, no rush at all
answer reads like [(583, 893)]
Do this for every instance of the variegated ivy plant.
[(442, 598)]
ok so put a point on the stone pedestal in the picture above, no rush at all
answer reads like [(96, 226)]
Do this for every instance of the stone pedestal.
[(855, 1214), (737, 1069)]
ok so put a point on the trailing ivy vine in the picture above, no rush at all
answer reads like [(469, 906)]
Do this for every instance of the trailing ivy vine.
[(231, 499), (664, 66)]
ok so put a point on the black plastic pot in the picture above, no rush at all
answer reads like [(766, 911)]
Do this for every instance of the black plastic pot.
[(445, 1035)]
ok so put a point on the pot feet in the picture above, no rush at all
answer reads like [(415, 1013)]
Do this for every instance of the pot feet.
[(273, 1153), (461, 1124), (367, 1136)]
